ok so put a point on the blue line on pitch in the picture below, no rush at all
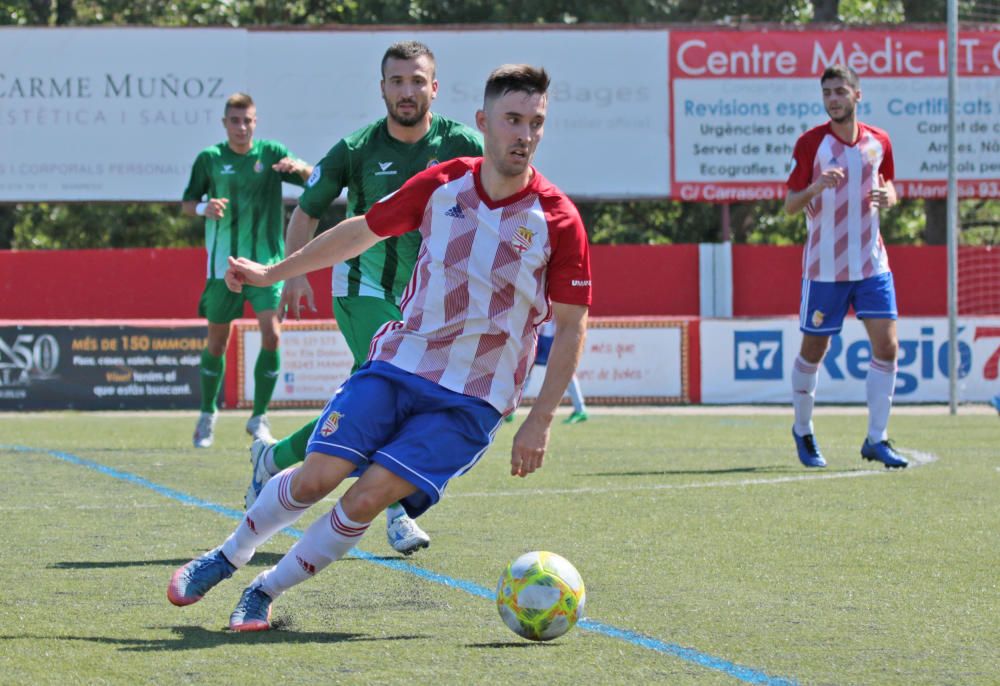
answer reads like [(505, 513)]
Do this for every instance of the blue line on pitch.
[(745, 674)]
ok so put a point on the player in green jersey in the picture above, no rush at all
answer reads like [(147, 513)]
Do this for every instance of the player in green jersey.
[(371, 163), (236, 186)]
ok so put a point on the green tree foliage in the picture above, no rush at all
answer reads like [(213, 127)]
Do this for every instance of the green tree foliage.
[(66, 225)]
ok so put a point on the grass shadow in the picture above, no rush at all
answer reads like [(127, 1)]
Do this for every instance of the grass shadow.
[(259, 560), (200, 638), (511, 644)]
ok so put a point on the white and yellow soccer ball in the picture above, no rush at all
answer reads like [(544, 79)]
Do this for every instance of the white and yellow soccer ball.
[(540, 596)]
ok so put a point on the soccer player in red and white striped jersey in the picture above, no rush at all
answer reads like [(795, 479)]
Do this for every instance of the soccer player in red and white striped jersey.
[(502, 251), (842, 176)]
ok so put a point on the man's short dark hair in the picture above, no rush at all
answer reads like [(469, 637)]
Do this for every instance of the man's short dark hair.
[(518, 78), (238, 101), (841, 71), (408, 50)]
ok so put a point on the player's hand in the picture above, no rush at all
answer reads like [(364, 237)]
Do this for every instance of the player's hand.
[(245, 272), (288, 165), (292, 293), (831, 178), (880, 194), (216, 208), (528, 450)]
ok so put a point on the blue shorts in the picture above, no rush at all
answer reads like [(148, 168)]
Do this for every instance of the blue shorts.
[(418, 430), (542, 350), (824, 303)]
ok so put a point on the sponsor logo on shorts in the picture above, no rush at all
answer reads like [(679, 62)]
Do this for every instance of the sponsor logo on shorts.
[(331, 424), (251, 525), (580, 282), (817, 319)]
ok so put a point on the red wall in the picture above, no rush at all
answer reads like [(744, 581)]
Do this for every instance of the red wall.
[(166, 283), (629, 280), (767, 280)]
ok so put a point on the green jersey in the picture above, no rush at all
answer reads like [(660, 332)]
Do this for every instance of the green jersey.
[(254, 223), (371, 164)]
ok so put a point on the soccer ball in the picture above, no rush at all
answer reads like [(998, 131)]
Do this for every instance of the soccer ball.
[(540, 596)]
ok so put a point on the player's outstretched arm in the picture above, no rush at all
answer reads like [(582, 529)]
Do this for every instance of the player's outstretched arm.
[(347, 239), (290, 165), (532, 438), (301, 229)]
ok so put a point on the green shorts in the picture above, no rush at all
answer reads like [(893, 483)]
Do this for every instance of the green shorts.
[(359, 317), (220, 305)]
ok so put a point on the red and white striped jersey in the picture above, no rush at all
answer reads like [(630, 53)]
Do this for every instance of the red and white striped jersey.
[(484, 277), (844, 243)]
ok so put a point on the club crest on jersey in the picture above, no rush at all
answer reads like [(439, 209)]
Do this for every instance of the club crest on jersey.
[(331, 424), (817, 319), (522, 238), (258, 167), (431, 162)]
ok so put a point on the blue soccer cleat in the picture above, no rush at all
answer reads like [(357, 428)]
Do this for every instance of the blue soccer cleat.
[(883, 452), (191, 582), (253, 612), (809, 454)]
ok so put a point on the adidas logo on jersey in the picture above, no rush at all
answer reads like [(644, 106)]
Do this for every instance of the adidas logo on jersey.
[(455, 212)]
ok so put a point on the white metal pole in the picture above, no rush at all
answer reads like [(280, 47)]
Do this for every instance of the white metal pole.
[(952, 208)]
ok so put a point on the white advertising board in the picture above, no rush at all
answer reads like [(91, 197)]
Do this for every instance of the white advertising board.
[(111, 113), (121, 113), (605, 133), (624, 361), (750, 361), (630, 362), (315, 361)]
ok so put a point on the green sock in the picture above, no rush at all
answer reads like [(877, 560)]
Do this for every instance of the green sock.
[(292, 448), (213, 371), (265, 378)]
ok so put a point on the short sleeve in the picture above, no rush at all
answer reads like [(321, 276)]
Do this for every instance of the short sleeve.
[(199, 183), (326, 182), (403, 210), (568, 275), (802, 164)]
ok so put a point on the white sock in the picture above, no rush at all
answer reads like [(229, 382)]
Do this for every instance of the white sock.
[(269, 463), (328, 539), (274, 509), (879, 387), (805, 376), (576, 395)]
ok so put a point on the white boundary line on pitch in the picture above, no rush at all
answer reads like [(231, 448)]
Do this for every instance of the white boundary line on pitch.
[(917, 459)]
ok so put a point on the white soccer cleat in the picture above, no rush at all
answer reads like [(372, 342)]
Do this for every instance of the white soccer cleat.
[(258, 463), (259, 427), (405, 536), (204, 430)]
